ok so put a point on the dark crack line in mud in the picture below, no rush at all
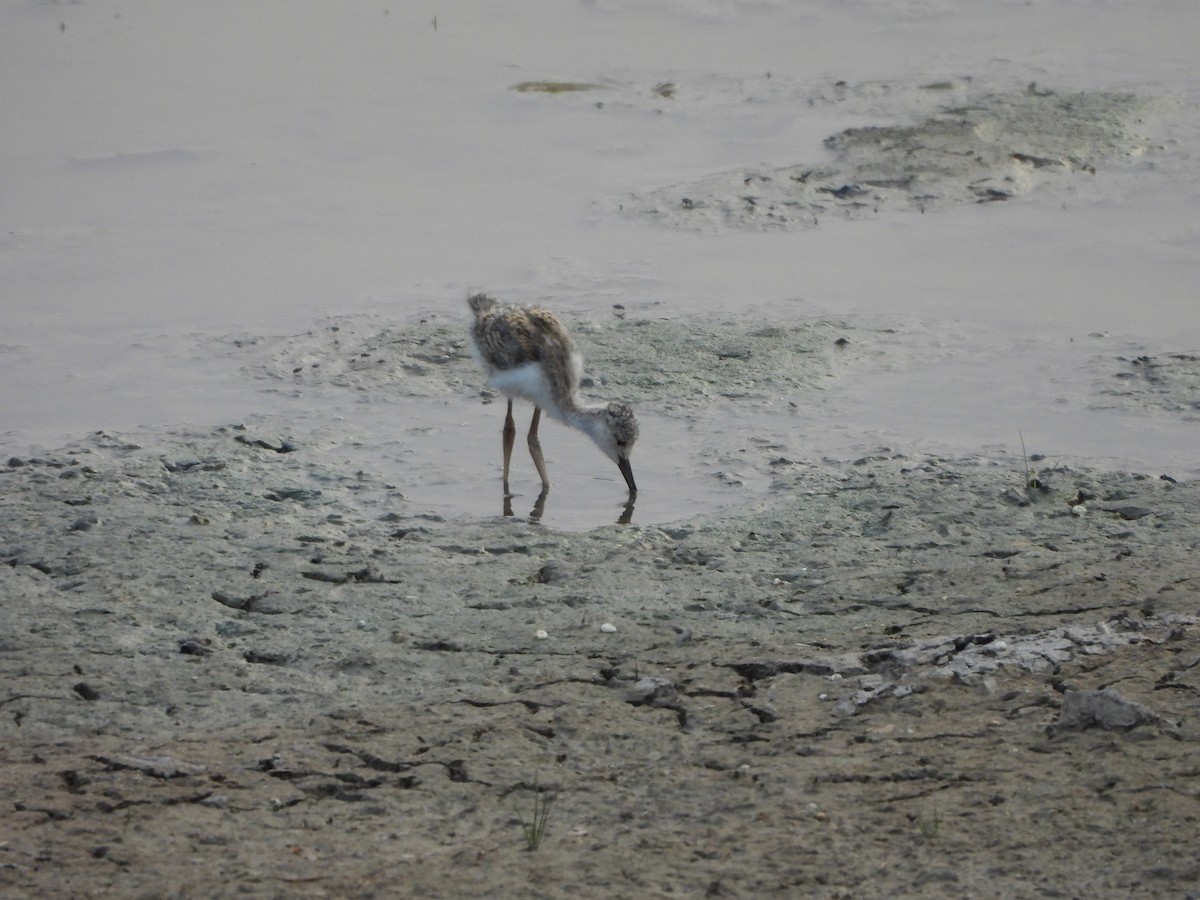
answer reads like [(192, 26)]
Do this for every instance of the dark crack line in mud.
[(920, 795)]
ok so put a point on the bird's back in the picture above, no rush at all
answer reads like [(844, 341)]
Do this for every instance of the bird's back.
[(508, 338)]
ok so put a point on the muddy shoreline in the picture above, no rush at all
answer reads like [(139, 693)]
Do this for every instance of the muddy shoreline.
[(235, 663), (903, 296)]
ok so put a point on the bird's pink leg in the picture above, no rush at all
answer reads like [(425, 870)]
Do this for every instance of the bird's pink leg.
[(535, 447), (510, 436)]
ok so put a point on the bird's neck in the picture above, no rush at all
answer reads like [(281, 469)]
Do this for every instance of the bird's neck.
[(587, 419)]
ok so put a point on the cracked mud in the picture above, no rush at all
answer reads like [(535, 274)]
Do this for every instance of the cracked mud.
[(234, 657)]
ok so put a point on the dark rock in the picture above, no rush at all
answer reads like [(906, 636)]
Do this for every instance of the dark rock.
[(1129, 513), (268, 659), (1100, 709), (86, 691), (440, 646), (300, 495), (194, 647), (277, 446), (551, 573)]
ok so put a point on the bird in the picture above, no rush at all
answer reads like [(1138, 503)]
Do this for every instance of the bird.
[(527, 354)]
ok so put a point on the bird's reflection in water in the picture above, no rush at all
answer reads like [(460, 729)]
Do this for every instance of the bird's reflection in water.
[(539, 507), (627, 510)]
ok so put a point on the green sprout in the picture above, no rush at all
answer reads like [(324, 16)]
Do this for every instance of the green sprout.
[(534, 829), (1032, 482)]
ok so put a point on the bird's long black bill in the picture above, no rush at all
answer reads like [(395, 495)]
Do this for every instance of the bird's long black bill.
[(627, 471)]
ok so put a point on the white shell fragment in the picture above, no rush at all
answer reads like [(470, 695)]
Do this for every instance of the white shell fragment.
[(540, 635), (608, 628)]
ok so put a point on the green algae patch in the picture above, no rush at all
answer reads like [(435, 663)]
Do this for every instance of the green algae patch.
[(555, 87)]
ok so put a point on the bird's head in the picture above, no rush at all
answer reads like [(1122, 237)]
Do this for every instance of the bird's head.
[(615, 435)]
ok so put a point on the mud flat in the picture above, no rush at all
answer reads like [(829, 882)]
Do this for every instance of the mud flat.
[(955, 142), (239, 661)]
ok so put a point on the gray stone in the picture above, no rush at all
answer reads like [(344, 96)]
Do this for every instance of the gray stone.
[(1101, 709)]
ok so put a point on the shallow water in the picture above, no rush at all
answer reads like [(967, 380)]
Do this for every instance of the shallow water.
[(445, 461), (131, 250)]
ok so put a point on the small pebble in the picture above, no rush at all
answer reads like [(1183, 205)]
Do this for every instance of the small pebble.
[(651, 690), (86, 691), (540, 635), (194, 647), (1079, 510), (608, 628)]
